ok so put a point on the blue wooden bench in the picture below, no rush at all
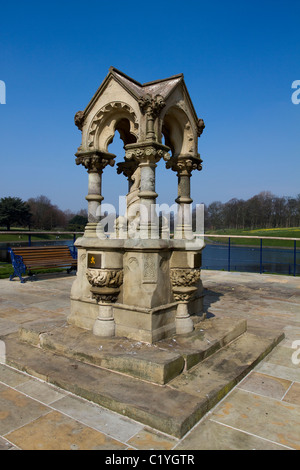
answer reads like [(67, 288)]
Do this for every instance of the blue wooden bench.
[(35, 258)]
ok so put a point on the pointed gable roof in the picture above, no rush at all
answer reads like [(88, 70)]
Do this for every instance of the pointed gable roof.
[(163, 87), (158, 87)]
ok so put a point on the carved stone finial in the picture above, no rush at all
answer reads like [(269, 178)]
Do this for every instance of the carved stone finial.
[(200, 127), (79, 119)]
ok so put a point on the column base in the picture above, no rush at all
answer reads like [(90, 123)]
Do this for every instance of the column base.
[(93, 230), (104, 325), (183, 322)]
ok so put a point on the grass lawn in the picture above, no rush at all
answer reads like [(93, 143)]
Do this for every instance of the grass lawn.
[(17, 237), (6, 270), (293, 232)]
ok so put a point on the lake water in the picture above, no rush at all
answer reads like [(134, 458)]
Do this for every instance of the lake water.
[(219, 257), (251, 259)]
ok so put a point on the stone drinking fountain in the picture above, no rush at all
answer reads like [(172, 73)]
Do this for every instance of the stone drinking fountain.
[(139, 282)]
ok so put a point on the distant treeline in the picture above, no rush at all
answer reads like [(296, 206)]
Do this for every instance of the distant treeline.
[(40, 214), (264, 210)]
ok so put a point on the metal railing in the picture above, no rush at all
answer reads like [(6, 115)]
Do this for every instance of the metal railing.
[(292, 269), (29, 234), (229, 264)]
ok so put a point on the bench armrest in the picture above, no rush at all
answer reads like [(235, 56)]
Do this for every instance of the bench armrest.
[(18, 265)]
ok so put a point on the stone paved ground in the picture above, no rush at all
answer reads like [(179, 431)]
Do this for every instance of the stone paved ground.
[(262, 412)]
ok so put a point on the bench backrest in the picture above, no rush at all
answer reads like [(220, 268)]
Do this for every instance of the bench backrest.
[(37, 253)]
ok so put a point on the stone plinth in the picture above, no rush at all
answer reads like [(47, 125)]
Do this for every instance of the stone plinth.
[(133, 288)]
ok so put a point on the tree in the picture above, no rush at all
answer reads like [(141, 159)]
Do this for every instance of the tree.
[(14, 211), (215, 215), (78, 223), (45, 215)]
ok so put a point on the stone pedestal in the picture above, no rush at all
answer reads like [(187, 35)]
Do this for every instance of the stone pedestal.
[(145, 290)]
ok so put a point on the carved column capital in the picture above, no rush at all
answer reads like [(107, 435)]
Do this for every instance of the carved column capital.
[(184, 283), (184, 165), (105, 283), (146, 152), (94, 161), (128, 167), (184, 286), (151, 104)]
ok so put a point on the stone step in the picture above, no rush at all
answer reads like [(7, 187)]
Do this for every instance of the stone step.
[(217, 374), (173, 408), (158, 363)]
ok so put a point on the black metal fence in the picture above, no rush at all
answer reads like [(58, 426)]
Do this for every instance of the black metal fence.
[(224, 254), (220, 253)]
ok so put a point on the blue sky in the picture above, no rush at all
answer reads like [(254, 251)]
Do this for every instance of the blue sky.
[(239, 60)]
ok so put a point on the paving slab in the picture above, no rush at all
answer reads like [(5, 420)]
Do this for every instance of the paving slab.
[(17, 409), (55, 431), (113, 424), (269, 386), (267, 302), (212, 435), (273, 420)]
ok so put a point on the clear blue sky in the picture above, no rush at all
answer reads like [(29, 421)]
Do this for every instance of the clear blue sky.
[(238, 58)]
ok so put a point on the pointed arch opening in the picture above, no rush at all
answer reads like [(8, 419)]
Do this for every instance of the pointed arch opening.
[(178, 132)]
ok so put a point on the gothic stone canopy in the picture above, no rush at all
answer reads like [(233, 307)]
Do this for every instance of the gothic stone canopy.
[(144, 114)]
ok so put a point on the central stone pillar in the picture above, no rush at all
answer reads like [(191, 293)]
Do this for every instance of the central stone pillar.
[(147, 154)]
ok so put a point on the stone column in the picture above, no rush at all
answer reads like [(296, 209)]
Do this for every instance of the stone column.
[(151, 107), (105, 289), (184, 285), (94, 162), (183, 227), (149, 220), (184, 165), (147, 154)]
